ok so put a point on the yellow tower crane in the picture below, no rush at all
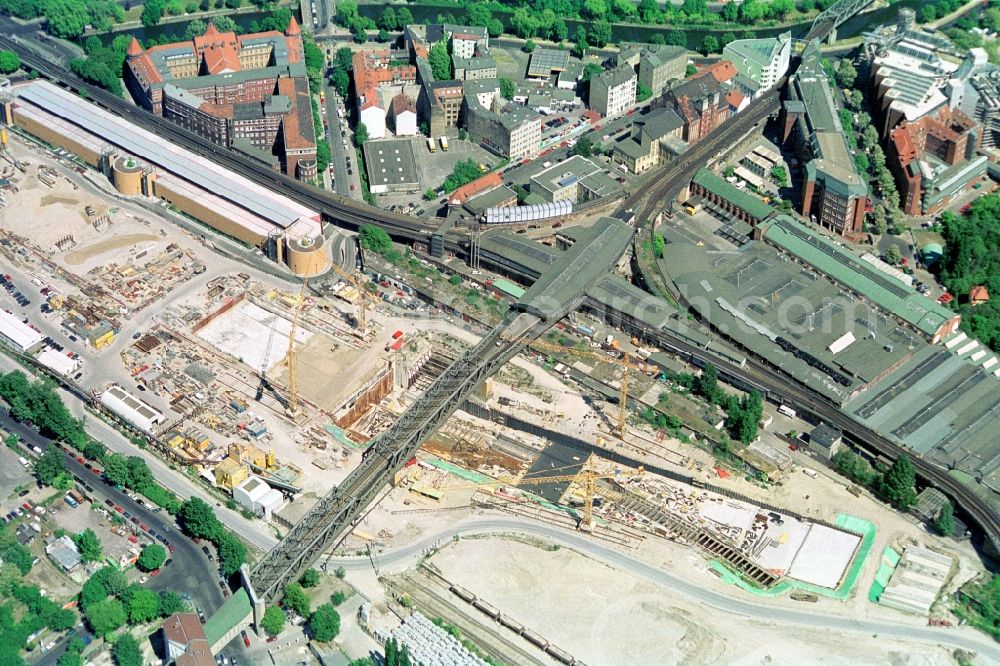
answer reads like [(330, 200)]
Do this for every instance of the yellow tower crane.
[(625, 362), (587, 477), (293, 390)]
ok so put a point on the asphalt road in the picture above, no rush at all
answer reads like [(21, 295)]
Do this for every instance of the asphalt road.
[(339, 157), (256, 533), (190, 570), (401, 558)]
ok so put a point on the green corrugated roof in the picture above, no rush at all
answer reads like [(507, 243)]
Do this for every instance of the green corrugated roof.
[(844, 267), (508, 287), (236, 608), (738, 198)]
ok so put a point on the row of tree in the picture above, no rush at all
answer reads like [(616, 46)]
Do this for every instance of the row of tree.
[(895, 485), (323, 624), (198, 519), (67, 18), (109, 602)]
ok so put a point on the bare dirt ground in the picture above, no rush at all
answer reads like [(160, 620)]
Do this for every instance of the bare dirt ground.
[(603, 616), (78, 256)]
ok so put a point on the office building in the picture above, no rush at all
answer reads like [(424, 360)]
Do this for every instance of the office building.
[(576, 180), (613, 91), (934, 159), (834, 194), (763, 61), (249, 93), (513, 132), (657, 65)]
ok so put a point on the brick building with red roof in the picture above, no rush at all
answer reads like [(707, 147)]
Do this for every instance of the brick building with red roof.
[(249, 93)]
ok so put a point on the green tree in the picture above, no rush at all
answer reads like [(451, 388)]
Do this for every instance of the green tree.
[(677, 38), (116, 470), (169, 603), (88, 544), (152, 12), (465, 171), (440, 61), (388, 20), (584, 146), (126, 651), (338, 598), (846, 73), (66, 18), (642, 92), (375, 239), (659, 243), (944, 522), (104, 583), (105, 616), (232, 553), (340, 572), (897, 483), (507, 88), (529, 46), (9, 62), (142, 605), (580, 37), (708, 383), (590, 70), (273, 621), (324, 623), (198, 519), (152, 557), (599, 33), (360, 135), (869, 137), (310, 578), (455, 280), (780, 175), (50, 465), (340, 81), (296, 599), (893, 256), (709, 45)]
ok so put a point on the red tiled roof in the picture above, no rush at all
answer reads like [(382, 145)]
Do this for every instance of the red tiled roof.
[(221, 59), (484, 183), (182, 628), (979, 293), (722, 71), (401, 103), (134, 48), (293, 28), (735, 98)]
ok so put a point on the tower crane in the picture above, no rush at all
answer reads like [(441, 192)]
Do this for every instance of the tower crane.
[(587, 477), (625, 362), (293, 391)]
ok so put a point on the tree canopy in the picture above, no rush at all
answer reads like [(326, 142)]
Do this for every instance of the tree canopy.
[(465, 171), (296, 599), (971, 259), (273, 621), (324, 623), (152, 557), (88, 544), (440, 61), (126, 651), (944, 522), (9, 62), (897, 483), (105, 616), (375, 239)]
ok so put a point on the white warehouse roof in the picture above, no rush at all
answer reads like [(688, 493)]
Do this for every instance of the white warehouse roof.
[(132, 409), (58, 362), (18, 334)]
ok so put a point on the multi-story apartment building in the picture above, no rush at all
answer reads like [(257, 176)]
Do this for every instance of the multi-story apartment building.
[(513, 132), (249, 93), (762, 61), (701, 103), (934, 159), (657, 65), (834, 195), (613, 91), (655, 138)]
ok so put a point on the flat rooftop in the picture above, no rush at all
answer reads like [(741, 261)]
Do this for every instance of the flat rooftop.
[(391, 163), (758, 295), (115, 131), (943, 405)]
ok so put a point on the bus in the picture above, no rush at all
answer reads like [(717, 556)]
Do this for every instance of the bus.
[(431, 146), (444, 143)]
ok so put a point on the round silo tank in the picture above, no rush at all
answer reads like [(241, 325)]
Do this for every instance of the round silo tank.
[(307, 255), (126, 174)]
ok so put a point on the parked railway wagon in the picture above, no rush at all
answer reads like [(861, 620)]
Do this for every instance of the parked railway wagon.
[(463, 594), (486, 608), (534, 639), (511, 623), (560, 655)]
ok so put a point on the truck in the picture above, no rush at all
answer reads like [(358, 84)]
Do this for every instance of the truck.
[(431, 146), (444, 143), (787, 411)]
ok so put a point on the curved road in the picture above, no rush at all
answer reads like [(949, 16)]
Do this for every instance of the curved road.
[(965, 638)]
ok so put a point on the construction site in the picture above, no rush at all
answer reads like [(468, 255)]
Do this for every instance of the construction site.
[(270, 392)]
